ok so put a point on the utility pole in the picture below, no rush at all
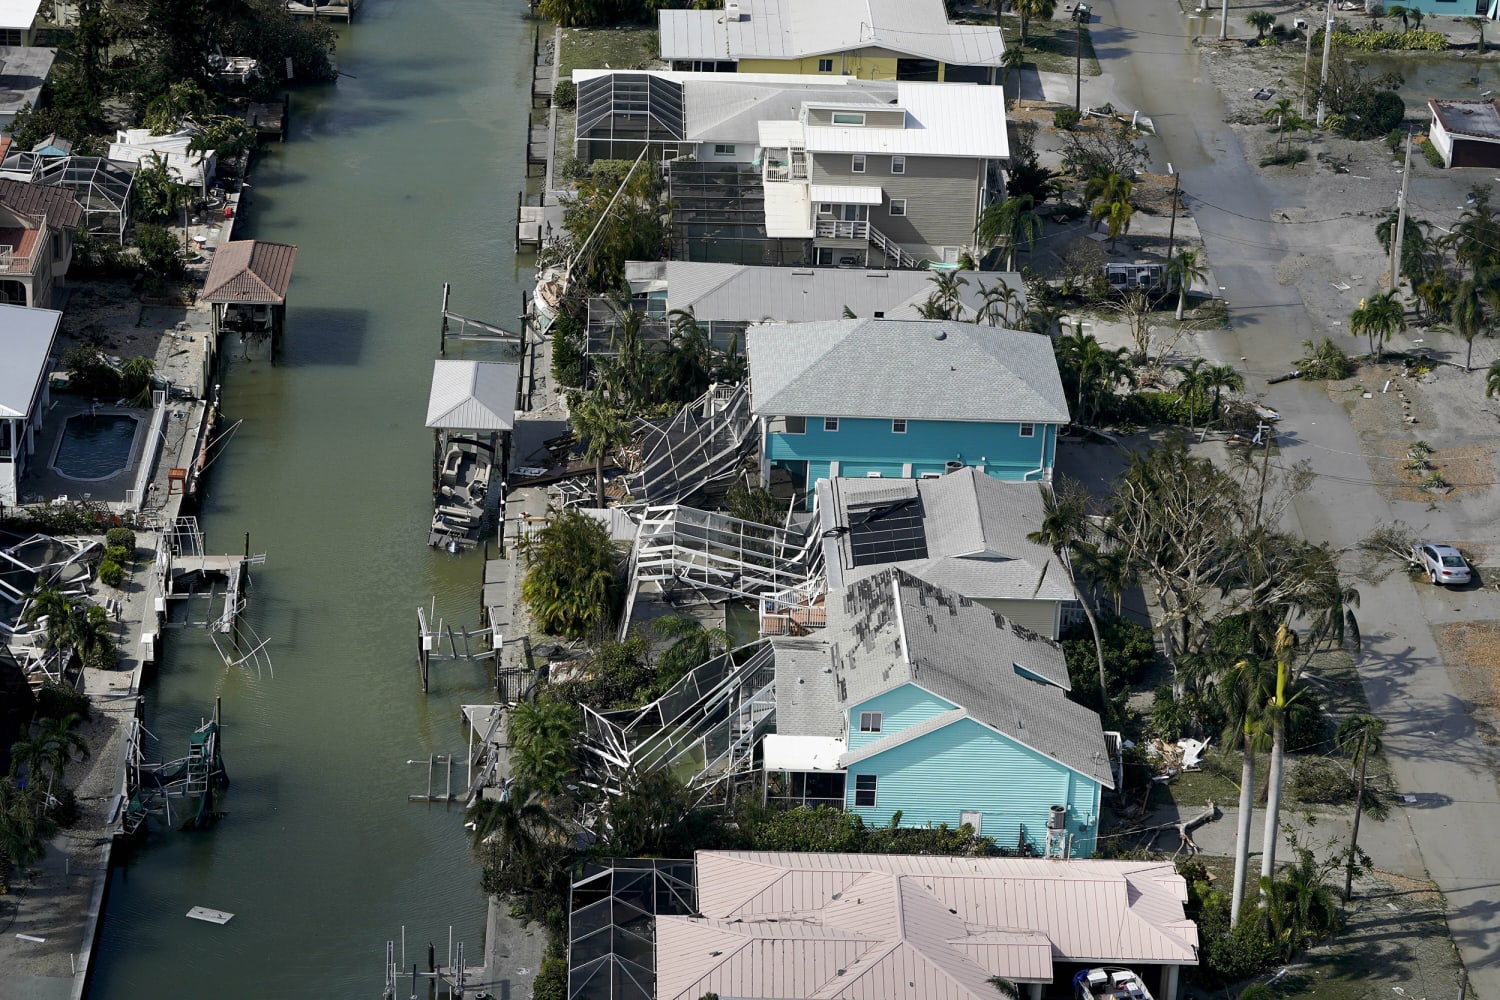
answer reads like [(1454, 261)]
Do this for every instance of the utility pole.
[(1327, 50), (1172, 226), (1077, 64), (1223, 20), (1400, 233), (1306, 69)]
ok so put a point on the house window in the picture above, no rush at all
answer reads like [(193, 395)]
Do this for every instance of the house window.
[(858, 163), (864, 789), (11, 37), (796, 425), (825, 65), (723, 149), (898, 426), (830, 424), (869, 722), (898, 206), (1028, 430), (824, 208), (848, 117), (898, 164)]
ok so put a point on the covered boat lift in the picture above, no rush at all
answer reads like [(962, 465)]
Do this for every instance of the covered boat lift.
[(246, 290), (478, 397)]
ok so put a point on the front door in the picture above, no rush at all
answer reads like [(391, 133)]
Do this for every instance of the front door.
[(974, 819)]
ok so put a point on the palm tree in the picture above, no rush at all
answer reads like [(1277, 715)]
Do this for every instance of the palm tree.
[(1361, 734), (25, 827), (1276, 711), (1095, 368), (1468, 314), (692, 645), (605, 430), (1473, 22), (1183, 270), (1416, 14), (1377, 318), (49, 752), (1001, 304), (1260, 20), (1116, 217), (1011, 224), (94, 640), (53, 605), (1282, 111), (1492, 380), (1241, 692), (1109, 196), (1191, 389), (1397, 10), (945, 301), (1219, 378), (541, 735), (1065, 524), (1011, 62), (1028, 9), (1108, 570)]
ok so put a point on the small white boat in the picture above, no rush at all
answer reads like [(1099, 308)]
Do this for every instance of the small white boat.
[(1109, 982)]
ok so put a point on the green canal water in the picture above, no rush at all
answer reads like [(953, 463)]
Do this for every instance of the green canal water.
[(398, 178)]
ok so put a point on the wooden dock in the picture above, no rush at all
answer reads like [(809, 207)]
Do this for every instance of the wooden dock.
[(538, 144), (270, 120), (315, 9), (543, 72)]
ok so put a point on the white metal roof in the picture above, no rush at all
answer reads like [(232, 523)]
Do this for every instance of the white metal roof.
[(787, 29), (802, 753), (18, 13), (851, 194), (780, 134), (26, 337), (942, 119), (188, 166), (473, 395), (788, 211), (905, 927)]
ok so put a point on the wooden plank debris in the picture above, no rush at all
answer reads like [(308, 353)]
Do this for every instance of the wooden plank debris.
[(209, 915)]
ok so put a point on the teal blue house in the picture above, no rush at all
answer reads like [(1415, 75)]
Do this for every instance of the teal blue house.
[(903, 399), (918, 702)]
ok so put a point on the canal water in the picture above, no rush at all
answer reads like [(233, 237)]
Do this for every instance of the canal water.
[(398, 178)]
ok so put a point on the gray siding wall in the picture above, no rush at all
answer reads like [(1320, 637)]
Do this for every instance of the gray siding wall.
[(942, 195), (1039, 616), (875, 117)]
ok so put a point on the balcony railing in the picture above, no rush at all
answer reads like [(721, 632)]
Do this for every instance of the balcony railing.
[(839, 230)]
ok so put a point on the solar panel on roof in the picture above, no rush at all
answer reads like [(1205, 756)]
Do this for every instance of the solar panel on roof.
[(888, 533)]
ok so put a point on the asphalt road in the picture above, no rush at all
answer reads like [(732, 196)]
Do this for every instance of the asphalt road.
[(1435, 750)]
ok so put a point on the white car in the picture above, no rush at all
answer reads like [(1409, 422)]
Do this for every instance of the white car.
[(1442, 564)]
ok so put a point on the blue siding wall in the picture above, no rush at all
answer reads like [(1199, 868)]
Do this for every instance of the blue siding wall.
[(968, 767), (864, 446), (903, 707)]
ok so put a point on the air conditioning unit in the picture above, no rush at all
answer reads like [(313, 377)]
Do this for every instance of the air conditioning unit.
[(952, 467), (732, 12), (1057, 818)]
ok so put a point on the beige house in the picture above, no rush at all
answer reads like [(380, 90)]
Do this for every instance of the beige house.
[(36, 240)]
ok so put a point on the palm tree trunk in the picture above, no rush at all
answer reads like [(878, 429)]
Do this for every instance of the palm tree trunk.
[(1181, 300), (1242, 837), (1273, 802), (1359, 808), (1469, 357), (1088, 613), (599, 481)]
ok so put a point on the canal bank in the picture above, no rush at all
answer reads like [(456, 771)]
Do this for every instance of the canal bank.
[(396, 179)]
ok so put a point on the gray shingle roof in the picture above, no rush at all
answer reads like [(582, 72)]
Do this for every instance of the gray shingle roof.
[(915, 369), (976, 528), (893, 629)]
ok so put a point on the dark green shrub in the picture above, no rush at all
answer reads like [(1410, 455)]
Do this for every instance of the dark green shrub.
[(551, 982), (1371, 114), (157, 251), (117, 554), (111, 573), (569, 363), (1395, 138), (54, 701), (1066, 118), (1306, 725), (1241, 953), (89, 372), (1285, 158), (1129, 652), (122, 538), (565, 94)]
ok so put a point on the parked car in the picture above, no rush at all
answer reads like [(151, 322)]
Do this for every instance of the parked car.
[(1082, 13), (1443, 564)]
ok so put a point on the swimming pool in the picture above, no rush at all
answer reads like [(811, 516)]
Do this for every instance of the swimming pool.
[(95, 446)]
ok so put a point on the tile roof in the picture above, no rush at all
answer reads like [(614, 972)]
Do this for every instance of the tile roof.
[(59, 205), (902, 927), (250, 271), (473, 395), (915, 369), (787, 29), (26, 339), (892, 629), (976, 528)]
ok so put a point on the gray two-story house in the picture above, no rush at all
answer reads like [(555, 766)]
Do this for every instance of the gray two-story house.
[(894, 185)]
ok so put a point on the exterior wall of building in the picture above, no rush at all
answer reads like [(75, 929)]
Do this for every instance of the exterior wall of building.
[(967, 767), (899, 710), (941, 195), (1042, 617), (863, 446), (866, 64)]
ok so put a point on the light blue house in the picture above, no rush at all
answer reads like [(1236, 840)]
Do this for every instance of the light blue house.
[(918, 702), (903, 399)]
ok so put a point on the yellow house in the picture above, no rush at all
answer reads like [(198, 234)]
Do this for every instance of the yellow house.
[(868, 39)]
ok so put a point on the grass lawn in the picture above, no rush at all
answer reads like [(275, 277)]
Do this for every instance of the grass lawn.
[(1051, 46), (608, 48)]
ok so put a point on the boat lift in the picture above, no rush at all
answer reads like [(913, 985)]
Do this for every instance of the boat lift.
[(151, 787)]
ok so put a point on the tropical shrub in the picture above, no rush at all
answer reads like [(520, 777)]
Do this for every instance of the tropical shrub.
[(1372, 41), (565, 94), (1431, 153), (122, 538), (1066, 118), (111, 573), (1325, 360), (90, 372), (571, 583), (1317, 779)]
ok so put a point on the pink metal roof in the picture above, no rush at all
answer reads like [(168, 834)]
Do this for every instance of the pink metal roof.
[(250, 271), (900, 927)]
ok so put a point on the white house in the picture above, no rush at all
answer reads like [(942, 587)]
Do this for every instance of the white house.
[(26, 339)]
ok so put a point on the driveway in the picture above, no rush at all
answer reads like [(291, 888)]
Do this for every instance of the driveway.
[(1435, 750)]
